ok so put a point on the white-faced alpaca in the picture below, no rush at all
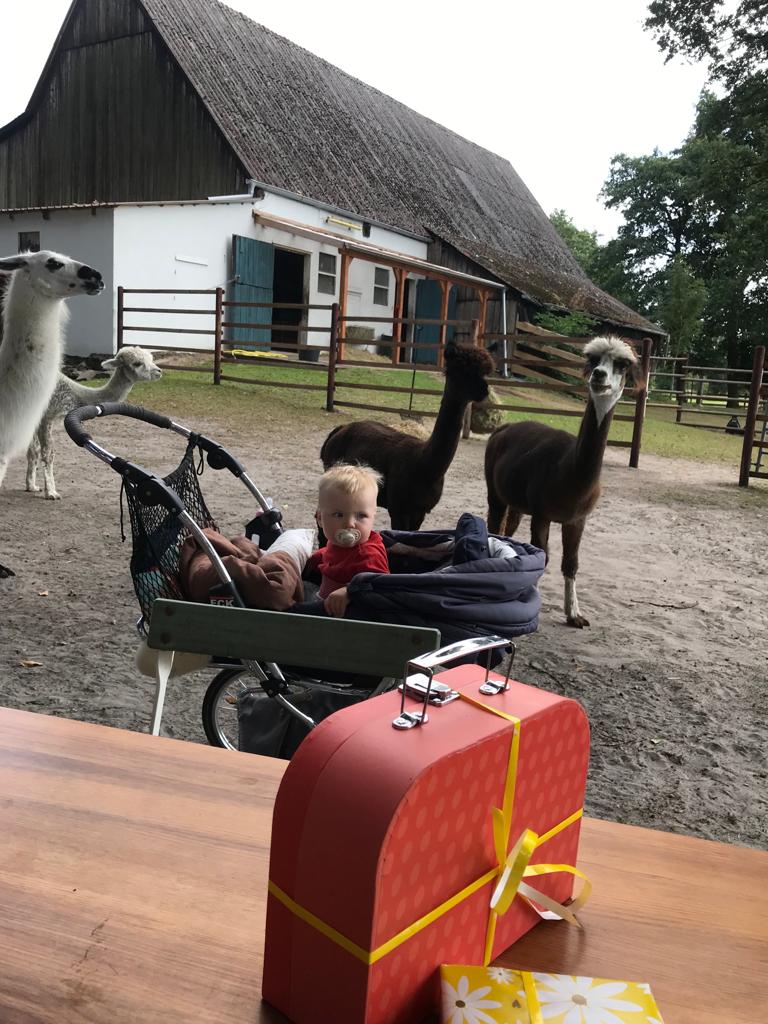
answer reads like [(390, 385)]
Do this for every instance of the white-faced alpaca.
[(31, 350), (532, 469), (129, 365), (414, 470)]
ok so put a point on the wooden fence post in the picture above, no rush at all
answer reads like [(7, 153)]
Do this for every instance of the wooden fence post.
[(475, 337), (217, 339), (640, 403), (749, 427), (681, 370), (332, 355), (120, 315)]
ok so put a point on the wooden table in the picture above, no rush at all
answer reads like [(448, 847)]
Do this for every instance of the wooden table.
[(133, 871)]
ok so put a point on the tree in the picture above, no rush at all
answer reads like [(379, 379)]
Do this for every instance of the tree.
[(706, 204), (682, 299), (583, 244), (733, 40), (574, 325)]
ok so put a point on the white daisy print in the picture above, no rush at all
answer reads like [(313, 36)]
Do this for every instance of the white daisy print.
[(501, 975), (582, 1000), (465, 1007)]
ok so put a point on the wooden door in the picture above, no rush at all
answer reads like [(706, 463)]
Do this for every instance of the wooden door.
[(254, 273), (429, 301)]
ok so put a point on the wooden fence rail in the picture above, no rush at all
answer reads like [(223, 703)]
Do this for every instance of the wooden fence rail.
[(530, 359), (751, 443)]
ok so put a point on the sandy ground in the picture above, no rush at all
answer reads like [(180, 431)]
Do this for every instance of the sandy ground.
[(672, 670)]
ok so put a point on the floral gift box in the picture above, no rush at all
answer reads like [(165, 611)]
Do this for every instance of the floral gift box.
[(495, 995)]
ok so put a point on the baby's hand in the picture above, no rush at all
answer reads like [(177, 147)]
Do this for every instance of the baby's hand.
[(336, 603)]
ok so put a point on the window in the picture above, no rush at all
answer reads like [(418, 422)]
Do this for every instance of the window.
[(326, 277), (29, 241), (381, 286)]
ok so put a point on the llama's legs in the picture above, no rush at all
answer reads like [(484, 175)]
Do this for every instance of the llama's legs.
[(402, 519), (33, 458), (496, 510), (511, 522), (45, 435), (571, 540), (3, 469), (540, 534)]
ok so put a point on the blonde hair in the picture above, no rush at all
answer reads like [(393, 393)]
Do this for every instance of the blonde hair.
[(349, 479)]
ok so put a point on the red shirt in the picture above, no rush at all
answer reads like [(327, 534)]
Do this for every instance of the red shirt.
[(338, 565)]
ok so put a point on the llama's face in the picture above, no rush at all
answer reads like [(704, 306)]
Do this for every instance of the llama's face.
[(609, 360), (53, 275), (136, 363)]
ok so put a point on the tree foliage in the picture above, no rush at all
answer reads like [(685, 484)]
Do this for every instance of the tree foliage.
[(692, 253), (733, 39)]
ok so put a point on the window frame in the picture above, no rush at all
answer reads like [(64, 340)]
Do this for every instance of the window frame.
[(27, 247), (379, 288), (326, 281)]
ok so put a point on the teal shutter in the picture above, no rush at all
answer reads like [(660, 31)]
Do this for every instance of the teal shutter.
[(254, 271)]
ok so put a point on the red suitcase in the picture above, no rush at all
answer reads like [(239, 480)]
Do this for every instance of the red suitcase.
[(388, 845)]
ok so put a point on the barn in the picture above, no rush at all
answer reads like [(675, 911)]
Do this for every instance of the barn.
[(178, 144)]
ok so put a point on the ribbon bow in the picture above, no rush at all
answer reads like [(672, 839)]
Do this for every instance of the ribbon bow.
[(514, 867)]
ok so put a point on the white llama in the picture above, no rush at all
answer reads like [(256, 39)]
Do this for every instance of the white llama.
[(129, 365), (31, 349)]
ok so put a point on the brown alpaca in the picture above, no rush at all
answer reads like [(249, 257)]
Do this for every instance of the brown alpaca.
[(532, 469), (414, 470)]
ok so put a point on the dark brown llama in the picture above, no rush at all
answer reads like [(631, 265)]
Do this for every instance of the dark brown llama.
[(414, 470), (532, 469)]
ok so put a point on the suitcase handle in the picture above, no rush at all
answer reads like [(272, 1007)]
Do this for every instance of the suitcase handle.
[(424, 666)]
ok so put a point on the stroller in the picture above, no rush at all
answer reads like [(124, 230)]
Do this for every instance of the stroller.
[(479, 603)]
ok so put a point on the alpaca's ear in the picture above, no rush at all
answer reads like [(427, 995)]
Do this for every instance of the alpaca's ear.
[(109, 364), (12, 263)]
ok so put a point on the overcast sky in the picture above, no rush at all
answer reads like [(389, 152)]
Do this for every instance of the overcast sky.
[(556, 87)]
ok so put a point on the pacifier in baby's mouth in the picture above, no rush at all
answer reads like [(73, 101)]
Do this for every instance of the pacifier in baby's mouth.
[(347, 538)]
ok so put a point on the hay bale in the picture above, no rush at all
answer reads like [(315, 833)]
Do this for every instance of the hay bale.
[(485, 415)]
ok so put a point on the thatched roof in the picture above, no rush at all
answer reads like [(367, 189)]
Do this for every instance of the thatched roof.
[(299, 123), (543, 279)]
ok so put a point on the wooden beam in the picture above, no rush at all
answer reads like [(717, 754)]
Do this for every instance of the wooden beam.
[(346, 259), (482, 314), (446, 290), (397, 327)]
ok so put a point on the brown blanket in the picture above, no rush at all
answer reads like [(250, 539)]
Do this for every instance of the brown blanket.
[(262, 580)]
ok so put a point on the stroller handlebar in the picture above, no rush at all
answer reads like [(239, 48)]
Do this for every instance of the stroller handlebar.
[(73, 421)]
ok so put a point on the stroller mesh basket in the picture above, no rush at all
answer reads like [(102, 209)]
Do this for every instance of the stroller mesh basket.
[(158, 534)]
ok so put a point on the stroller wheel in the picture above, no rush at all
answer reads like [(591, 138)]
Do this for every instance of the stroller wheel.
[(220, 706)]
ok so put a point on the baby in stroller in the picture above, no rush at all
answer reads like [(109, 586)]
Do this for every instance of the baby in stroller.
[(346, 514)]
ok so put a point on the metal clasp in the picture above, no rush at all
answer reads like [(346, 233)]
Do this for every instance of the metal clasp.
[(419, 673), (492, 687)]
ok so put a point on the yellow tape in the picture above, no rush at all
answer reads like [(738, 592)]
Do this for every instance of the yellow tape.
[(515, 865)]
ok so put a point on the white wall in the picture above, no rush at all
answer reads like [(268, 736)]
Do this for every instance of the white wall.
[(85, 235), (176, 246), (189, 245)]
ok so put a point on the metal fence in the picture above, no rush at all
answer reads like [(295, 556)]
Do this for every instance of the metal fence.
[(703, 397)]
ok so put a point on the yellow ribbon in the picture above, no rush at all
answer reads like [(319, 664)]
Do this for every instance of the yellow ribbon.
[(532, 998), (510, 870)]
